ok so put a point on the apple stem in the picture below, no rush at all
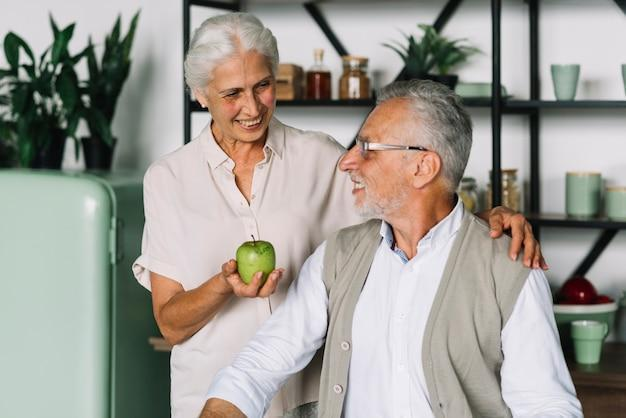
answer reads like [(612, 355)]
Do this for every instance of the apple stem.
[(253, 240)]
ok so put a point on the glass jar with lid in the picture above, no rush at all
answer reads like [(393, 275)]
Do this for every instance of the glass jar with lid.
[(468, 192), (354, 83), (510, 190)]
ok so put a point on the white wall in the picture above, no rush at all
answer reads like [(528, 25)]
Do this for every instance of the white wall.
[(149, 120)]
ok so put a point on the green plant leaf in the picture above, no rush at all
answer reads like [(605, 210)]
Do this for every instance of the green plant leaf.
[(21, 98), (127, 43), (92, 63), (114, 37), (100, 125), (67, 87), (25, 142), (12, 44), (82, 54), (30, 70), (12, 50), (61, 41), (53, 25), (6, 73)]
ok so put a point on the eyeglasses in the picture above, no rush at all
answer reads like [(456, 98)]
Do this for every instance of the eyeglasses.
[(365, 146)]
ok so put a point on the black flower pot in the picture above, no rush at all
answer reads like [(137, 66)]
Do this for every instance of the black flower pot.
[(447, 80), (98, 155), (51, 155)]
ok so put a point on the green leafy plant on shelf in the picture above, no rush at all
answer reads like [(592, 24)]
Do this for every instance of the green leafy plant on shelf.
[(432, 56), (42, 98), (103, 86)]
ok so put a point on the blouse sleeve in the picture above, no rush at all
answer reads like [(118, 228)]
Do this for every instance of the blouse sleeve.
[(161, 244)]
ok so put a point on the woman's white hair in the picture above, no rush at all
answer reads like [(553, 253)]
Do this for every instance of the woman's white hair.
[(221, 37)]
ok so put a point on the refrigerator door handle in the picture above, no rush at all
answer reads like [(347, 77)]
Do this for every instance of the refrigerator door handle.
[(116, 243)]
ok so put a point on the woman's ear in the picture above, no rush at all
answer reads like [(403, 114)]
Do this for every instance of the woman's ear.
[(427, 168), (200, 98)]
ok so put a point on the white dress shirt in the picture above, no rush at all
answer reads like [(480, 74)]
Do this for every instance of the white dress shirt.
[(196, 217), (386, 377)]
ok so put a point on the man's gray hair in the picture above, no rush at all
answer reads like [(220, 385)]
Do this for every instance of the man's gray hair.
[(221, 37), (444, 125)]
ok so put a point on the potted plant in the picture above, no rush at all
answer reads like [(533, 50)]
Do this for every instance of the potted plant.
[(433, 56), (101, 91), (42, 98), (8, 151)]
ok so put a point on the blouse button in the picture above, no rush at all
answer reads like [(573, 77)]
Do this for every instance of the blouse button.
[(338, 389), (345, 346)]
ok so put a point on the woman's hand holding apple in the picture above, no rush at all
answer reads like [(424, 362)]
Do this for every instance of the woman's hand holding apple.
[(256, 287)]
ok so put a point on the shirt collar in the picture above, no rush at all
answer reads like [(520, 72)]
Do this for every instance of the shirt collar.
[(438, 234), (216, 156)]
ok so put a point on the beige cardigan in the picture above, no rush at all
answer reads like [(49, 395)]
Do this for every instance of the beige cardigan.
[(461, 352)]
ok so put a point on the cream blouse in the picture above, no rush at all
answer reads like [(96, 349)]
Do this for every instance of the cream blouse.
[(196, 217)]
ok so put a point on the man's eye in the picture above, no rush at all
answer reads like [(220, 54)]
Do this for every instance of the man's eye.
[(231, 94)]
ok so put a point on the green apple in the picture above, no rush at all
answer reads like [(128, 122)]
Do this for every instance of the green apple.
[(254, 256)]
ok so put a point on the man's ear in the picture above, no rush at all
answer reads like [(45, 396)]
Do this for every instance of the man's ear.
[(427, 168)]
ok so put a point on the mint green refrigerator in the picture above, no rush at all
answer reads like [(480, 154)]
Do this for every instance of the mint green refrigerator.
[(74, 323)]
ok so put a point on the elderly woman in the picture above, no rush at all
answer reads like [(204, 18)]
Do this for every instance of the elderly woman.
[(245, 175)]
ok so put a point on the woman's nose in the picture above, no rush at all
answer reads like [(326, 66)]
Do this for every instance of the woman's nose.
[(252, 104)]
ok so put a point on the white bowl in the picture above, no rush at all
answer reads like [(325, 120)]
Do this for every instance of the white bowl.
[(585, 309)]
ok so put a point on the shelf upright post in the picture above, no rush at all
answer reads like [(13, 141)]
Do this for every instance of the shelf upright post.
[(187, 104), (186, 98), (496, 105), (535, 186)]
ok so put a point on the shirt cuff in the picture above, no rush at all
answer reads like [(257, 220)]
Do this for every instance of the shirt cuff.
[(228, 387), (144, 264)]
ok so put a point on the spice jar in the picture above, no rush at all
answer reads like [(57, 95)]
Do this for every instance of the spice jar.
[(354, 83), (318, 78), (510, 190), (468, 192)]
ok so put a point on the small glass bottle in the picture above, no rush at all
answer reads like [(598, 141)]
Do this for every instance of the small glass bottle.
[(354, 83), (510, 190), (468, 192), (318, 78)]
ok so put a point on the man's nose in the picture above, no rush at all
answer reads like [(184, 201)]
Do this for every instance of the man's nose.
[(350, 159)]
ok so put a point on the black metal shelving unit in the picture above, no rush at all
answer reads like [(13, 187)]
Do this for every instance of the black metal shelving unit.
[(533, 107), (497, 104)]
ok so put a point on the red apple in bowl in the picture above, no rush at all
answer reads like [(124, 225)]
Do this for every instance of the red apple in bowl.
[(603, 299), (577, 291)]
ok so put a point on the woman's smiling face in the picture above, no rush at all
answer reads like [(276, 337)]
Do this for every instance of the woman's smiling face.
[(241, 98)]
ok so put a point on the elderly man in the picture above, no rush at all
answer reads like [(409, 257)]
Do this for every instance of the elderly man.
[(422, 313)]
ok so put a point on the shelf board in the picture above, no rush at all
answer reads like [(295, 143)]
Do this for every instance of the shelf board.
[(566, 104), (469, 102), (216, 4), (509, 106), (327, 103), (564, 221)]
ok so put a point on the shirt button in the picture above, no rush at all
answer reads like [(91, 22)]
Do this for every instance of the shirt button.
[(337, 389), (253, 196), (345, 346)]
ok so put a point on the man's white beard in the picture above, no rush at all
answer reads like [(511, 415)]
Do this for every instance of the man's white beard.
[(370, 209)]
